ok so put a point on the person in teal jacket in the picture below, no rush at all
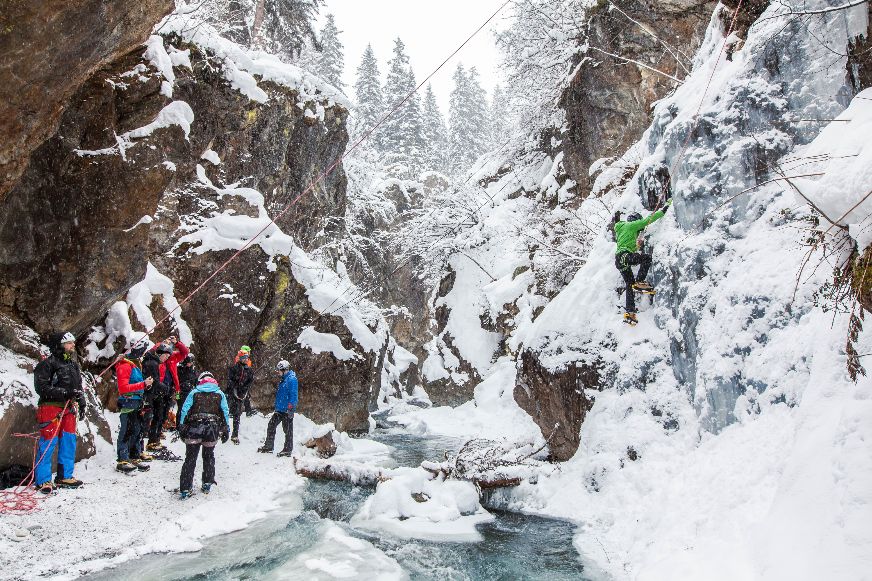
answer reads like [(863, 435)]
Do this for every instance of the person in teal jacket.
[(628, 254), (285, 406)]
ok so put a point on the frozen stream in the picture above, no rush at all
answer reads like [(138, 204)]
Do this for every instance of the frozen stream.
[(313, 540)]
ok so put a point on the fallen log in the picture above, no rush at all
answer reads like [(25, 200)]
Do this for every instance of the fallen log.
[(354, 472)]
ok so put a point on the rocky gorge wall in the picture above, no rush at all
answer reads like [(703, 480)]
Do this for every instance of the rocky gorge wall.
[(164, 159)]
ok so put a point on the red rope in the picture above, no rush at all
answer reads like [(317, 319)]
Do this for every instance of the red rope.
[(311, 187), (24, 499)]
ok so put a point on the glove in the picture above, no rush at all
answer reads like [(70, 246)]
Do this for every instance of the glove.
[(224, 437), (291, 408), (177, 396)]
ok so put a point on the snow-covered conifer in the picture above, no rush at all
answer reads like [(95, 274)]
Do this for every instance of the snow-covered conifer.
[(331, 59), (435, 133), (402, 140), (370, 104)]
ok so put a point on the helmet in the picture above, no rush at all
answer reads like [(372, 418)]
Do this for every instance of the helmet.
[(283, 365), (163, 348), (68, 338), (246, 349), (203, 376), (634, 216), (189, 358), (137, 350)]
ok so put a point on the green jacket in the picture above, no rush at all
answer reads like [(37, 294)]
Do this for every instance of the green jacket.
[(627, 232)]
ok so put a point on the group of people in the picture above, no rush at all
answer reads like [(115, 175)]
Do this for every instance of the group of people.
[(151, 381)]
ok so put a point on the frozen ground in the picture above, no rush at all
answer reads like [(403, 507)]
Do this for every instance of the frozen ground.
[(115, 517)]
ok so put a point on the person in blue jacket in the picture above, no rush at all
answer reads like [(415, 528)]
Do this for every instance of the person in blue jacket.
[(204, 419), (285, 406)]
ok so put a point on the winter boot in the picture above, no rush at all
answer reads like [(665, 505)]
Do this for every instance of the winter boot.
[(68, 482), (185, 494), (644, 288), (45, 488), (630, 319), (145, 457), (140, 465), (284, 453), (265, 450), (235, 440), (207, 486), (125, 466), (155, 447)]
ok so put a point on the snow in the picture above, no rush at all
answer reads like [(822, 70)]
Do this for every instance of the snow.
[(140, 297), (450, 510), (325, 343), (338, 555), (110, 532), (116, 325), (242, 67), (144, 220), (176, 113), (211, 156), (843, 153), (160, 59)]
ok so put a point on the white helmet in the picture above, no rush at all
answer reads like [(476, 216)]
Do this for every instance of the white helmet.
[(283, 365), (68, 338)]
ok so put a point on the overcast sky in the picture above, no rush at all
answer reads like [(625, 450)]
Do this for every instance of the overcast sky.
[(430, 30)]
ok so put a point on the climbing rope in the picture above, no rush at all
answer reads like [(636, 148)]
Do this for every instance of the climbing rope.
[(24, 499), (311, 186)]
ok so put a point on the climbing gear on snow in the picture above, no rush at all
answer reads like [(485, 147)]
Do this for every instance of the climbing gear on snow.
[(46, 487), (644, 288), (155, 447)]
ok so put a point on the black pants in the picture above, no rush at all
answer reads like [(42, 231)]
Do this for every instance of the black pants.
[(236, 409), (186, 482), (624, 261), (158, 417), (287, 422), (146, 414)]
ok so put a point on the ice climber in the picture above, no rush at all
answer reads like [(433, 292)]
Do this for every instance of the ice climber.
[(58, 383), (180, 352), (285, 406), (628, 253), (131, 388), (157, 396), (239, 380), (203, 420)]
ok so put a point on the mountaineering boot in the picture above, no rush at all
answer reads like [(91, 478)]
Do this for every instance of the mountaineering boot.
[(207, 486), (125, 466), (265, 450), (184, 494), (145, 457), (140, 465), (68, 482), (630, 319), (235, 440), (284, 453), (155, 447), (46, 487), (644, 288)]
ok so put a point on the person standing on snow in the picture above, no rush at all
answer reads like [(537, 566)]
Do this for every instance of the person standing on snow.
[(239, 380), (203, 420), (187, 374), (57, 380), (157, 397), (285, 406), (180, 352), (131, 388), (628, 253)]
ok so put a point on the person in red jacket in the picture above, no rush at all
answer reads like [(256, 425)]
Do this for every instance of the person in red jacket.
[(169, 376), (131, 386), (180, 352)]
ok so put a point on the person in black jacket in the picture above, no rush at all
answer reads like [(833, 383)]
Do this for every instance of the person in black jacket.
[(158, 396), (187, 381), (239, 380), (57, 380)]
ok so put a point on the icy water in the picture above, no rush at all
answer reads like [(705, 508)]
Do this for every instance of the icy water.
[(287, 543)]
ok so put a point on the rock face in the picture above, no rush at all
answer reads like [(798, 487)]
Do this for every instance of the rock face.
[(556, 401), (49, 49), (608, 100)]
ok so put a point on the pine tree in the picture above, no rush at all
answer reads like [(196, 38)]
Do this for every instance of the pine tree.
[(468, 133), (331, 59), (403, 141), (435, 134), (284, 26), (499, 125), (368, 93)]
